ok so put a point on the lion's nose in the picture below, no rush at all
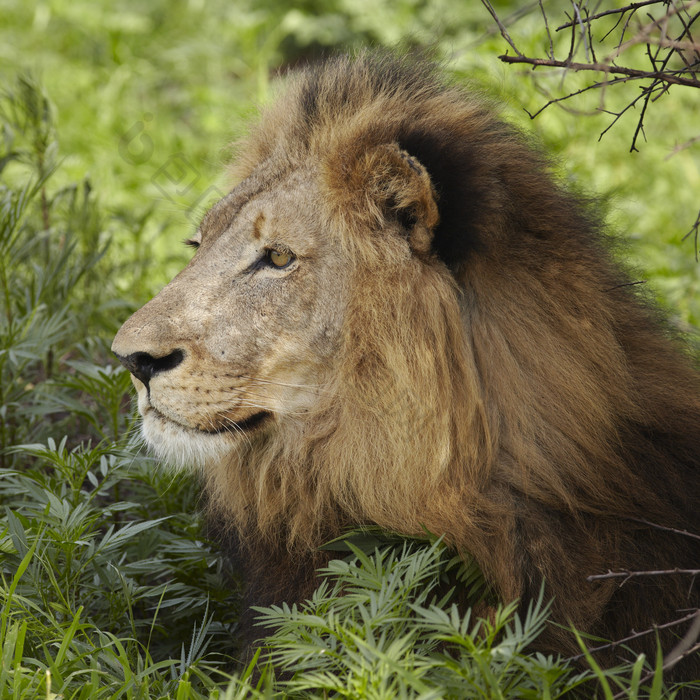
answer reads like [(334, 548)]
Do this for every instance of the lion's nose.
[(143, 366)]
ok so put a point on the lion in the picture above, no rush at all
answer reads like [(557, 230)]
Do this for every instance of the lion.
[(399, 318)]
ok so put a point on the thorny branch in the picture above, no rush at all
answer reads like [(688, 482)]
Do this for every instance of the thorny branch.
[(687, 646), (694, 231), (663, 76), (636, 635), (616, 11), (627, 575), (683, 533), (664, 29), (501, 26), (671, 51)]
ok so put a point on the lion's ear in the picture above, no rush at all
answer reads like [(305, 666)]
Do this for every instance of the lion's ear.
[(395, 186)]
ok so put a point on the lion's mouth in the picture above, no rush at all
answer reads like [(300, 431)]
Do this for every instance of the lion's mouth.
[(245, 425), (230, 426)]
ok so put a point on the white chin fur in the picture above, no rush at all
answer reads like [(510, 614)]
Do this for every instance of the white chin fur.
[(183, 448)]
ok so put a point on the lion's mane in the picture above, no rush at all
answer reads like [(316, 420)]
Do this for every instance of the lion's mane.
[(510, 390)]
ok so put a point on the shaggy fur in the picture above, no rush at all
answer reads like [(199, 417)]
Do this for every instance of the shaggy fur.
[(494, 378)]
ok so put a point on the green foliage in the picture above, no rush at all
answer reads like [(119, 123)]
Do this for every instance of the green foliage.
[(382, 625), (381, 630), (108, 588)]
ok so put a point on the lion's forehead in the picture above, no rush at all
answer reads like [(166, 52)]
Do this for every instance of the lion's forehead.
[(285, 210)]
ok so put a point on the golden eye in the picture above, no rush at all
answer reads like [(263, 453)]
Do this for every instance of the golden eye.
[(280, 258)]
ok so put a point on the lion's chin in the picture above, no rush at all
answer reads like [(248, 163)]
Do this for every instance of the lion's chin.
[(183, 447)]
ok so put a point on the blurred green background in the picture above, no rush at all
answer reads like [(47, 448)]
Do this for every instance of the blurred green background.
[(148, 94)]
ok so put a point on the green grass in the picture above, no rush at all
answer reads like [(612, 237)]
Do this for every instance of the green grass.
[(109, 587)]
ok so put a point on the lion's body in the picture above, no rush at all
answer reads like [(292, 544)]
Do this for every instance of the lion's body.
[(450, 348)]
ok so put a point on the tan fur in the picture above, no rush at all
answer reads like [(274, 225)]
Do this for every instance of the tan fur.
[(452, 349)]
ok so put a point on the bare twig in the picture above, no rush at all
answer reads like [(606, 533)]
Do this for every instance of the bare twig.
[(671, 58), (579, 22), (653, 32), (549, 34), (637, 635), (625, 28), (670, 77), (689, 639), (646, 32), (682, 146), (501, 26), (665, 528), (694, 230), (637, 574), (644, 95), (687, 646), (626, 284), (593, 86), (621, 11)]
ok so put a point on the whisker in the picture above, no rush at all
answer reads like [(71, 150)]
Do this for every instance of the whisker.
[(251, 404), (233, 427), (229, 425), (306, 387)]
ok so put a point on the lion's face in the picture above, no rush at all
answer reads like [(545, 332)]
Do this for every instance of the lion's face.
[(244, 335)]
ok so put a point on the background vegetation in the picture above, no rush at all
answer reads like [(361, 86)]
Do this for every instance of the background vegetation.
[(115, 119)]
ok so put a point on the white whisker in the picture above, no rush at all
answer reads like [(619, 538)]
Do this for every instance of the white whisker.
[(305, 387)]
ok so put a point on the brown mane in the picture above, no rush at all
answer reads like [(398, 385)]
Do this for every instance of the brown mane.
[(510, 391)]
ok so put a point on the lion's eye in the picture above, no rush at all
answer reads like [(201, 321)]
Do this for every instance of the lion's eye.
[(280, 258)]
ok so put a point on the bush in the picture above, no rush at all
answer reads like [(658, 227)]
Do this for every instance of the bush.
[(108, 588)]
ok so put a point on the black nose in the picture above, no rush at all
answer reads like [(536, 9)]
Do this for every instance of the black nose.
[(143, 366)]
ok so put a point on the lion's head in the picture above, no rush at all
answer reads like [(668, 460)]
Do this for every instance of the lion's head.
[(398, 318), (244, 337)]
